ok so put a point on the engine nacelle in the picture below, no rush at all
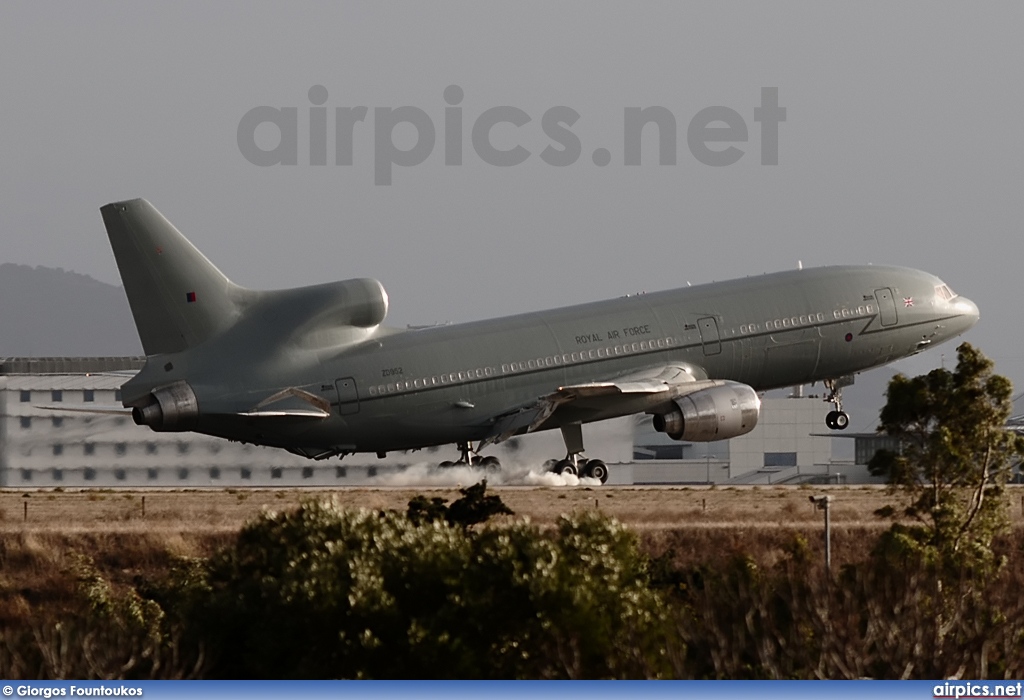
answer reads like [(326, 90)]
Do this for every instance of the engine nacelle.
[(717, 413), (168, 409)]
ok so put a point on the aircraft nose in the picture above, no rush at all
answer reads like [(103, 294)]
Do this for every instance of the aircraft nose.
[(967, 310)]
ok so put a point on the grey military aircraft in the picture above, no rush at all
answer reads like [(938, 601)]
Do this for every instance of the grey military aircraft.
[(313, 370)]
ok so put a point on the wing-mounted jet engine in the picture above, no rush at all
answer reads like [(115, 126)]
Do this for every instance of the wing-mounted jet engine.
[(718, 413)]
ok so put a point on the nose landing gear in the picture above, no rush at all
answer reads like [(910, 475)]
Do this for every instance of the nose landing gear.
[(837, 419)]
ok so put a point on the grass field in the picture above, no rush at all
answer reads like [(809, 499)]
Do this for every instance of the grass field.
[(134, 536), (220, 510), (131, 533)]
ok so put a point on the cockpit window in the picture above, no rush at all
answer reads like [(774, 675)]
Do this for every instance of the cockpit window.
[(944, 292)]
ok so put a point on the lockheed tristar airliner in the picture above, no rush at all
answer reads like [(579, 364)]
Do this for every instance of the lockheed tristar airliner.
[(313, 370)]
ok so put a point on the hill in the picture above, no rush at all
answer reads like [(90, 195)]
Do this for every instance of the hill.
[(47, 312)]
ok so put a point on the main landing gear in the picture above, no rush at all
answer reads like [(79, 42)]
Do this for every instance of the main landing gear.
[(837, 419), (471, 459), (574, 462)]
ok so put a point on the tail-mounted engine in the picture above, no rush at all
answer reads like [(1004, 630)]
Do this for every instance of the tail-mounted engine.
[(717, 413), (170, 408)]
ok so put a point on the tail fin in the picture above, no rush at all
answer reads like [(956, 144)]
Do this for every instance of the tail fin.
[(177, 296)]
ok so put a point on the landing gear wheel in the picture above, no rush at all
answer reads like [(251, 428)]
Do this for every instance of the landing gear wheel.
[(596, 469), (445, 464), (837, 420), (490, 463), (565, 467)]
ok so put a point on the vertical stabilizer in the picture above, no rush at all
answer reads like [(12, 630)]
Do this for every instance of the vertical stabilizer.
[(177, 296)]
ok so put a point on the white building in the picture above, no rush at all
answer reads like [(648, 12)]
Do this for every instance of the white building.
[(789, 445), (42, 447)]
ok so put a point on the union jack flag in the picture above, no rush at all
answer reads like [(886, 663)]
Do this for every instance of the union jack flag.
[(908, 302)]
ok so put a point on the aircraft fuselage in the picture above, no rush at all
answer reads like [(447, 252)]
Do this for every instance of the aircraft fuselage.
[(395, 390)]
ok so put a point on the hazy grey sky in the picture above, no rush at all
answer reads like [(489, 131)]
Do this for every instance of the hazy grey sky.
[(903, 143)]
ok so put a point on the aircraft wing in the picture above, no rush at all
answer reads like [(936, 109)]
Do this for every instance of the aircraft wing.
[(664, 382)]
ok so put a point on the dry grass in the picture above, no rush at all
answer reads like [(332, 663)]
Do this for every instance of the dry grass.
[(205, 510), (695, 525)]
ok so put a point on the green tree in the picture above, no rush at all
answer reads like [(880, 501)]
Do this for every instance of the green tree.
[(321, 592), (954, 460)]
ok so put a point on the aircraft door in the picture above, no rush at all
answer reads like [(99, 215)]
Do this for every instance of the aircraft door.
[(348, 396), (708, 327), (886, 306)]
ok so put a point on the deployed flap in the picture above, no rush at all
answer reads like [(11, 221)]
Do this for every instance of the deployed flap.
[(673, 380)]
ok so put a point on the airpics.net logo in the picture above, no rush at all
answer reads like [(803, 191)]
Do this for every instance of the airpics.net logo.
[(711, 134)]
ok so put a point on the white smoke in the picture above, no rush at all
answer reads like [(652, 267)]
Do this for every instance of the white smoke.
[(426, 474)]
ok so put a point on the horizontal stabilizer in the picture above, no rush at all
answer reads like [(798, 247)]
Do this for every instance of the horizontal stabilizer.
[(105, 410)]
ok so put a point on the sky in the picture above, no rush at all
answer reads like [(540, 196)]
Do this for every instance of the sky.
[(903, 143)]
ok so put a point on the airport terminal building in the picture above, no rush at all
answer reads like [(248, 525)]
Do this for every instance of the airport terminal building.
[(53, 433)]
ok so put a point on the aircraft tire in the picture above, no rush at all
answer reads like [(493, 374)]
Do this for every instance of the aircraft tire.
[(564, 467), (841, 421), (597, 469), (491, 463), (830, 420)]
